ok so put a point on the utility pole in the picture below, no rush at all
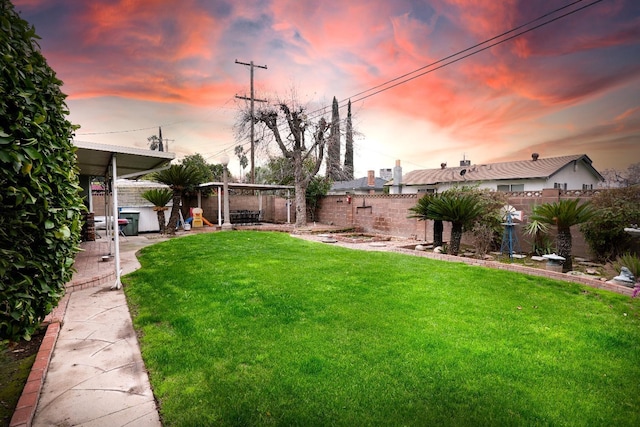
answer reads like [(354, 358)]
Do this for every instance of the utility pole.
[(252, 99)]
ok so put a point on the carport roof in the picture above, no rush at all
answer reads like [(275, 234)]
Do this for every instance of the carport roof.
[(95, 159), (247, 186)]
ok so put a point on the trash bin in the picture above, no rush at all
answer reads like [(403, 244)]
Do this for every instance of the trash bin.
[(131, 229)]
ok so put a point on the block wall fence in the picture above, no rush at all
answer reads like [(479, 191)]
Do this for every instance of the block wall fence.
[(385, 214)]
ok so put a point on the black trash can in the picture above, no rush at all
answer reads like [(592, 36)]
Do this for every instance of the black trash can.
[(131, 229)]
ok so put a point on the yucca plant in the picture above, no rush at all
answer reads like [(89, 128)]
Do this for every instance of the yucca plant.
[(563, 214), (159, 197), (538, 230)]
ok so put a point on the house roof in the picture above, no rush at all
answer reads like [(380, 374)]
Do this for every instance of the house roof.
[(358, 184), (542, 168)]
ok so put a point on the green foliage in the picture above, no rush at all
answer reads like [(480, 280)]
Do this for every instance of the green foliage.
[(180, 178), (318, 187), (564, 214), (421, 212), (39, 197), (630, 261), (202, 168), (158, 196), (541, 244), (461, 208), (615, 209)]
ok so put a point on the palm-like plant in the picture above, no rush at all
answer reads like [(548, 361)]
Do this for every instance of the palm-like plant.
[(178, 178), (421, 211), (159, 197), (564, 214), (458, 208)]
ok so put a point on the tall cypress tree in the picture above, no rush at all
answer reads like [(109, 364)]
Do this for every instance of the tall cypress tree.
[(334, 171), (348, 152)]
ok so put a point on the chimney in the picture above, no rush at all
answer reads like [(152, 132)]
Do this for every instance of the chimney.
[(443, 165), (397, 178), (535, 156), (371, 178)]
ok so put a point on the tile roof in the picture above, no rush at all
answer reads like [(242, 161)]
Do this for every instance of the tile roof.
[(522, 169)]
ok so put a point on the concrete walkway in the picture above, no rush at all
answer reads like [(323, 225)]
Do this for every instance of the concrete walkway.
[(91, 372)]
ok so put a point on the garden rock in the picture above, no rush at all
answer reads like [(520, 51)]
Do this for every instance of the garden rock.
[(625, 278)]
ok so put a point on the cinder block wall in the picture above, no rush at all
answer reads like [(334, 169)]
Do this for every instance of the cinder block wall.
[(388, 214)]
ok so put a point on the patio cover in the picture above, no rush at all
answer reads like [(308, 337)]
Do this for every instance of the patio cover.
[(246, 186), (113, 162)]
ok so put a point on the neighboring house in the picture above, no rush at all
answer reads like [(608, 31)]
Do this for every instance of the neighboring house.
[(365, 185), (573, 172)]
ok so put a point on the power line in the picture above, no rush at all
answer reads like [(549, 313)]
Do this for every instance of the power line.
[(407, 77)]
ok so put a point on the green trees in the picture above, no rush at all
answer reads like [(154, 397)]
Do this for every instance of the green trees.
[(159, 197), (39, 193), (178, 178), (564, 214)]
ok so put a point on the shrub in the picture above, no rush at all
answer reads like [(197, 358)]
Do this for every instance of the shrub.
[(615, 209), (39, 192)]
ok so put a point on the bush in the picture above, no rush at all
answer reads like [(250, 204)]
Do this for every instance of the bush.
[(39, 192), (615, 209)]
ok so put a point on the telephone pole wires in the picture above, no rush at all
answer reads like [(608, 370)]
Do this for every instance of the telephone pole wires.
[(251, 65)]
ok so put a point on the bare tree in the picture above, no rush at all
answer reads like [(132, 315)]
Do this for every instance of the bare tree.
[(293, 146)]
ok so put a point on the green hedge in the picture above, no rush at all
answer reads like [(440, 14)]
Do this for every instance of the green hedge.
[(40, 204)]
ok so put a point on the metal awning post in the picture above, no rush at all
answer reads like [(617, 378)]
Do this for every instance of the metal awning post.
[(116, 233), (219, 207), (288, 206)]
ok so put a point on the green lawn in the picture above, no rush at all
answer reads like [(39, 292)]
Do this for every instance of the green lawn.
[(257, 328)]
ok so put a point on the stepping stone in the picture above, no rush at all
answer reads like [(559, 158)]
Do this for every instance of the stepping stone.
[(377, 244), (328, 240), (537, 258)]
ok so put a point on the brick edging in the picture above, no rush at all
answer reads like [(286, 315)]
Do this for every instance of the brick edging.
[(594, 283), (28, 402)]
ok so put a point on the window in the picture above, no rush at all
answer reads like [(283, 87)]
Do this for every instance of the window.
[(511, 187), (587, 186), (426, 190), (560, 185)]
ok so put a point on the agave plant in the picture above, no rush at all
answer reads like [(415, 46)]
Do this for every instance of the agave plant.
[(563, 214), (159, 197)]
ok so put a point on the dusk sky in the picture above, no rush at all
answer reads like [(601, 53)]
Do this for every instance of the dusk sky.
[(569, 87)]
